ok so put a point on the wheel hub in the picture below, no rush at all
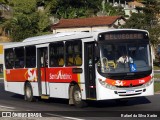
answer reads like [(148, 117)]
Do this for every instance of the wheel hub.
[(77, 96), (28, 92)]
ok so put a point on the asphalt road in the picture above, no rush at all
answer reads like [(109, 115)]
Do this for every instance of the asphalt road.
[(60, 110)]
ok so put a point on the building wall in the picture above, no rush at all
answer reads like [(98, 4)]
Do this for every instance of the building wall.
[(129, 12), (89, 29), (119, 22), (82, 29)]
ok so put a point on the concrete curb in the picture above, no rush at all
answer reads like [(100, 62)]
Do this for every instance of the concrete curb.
[(158, 92), (156, 80)]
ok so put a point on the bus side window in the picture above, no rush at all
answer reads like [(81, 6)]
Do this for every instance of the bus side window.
[(78, 53), (61, 61), (70, 60), (30, 52), (9, 58), (19, 57), (56, 54), (60, 54), (74, 53), (54, 61), (69, 54), (78, 60)]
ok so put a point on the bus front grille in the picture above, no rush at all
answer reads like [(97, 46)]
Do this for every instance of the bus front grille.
[(129, 92)]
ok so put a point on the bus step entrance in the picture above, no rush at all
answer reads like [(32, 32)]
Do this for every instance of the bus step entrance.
[(44, 97)]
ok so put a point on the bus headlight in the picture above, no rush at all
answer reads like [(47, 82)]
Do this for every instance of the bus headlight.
[(101, 82), (148, 83), (104, 84)]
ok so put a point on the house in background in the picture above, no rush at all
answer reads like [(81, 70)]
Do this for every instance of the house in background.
[(88, 24), (131, 8)]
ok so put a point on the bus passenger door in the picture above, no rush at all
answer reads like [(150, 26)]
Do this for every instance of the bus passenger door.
[(89, 67), (42, 66)]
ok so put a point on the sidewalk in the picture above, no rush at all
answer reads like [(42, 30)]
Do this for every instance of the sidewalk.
[(156, 80)]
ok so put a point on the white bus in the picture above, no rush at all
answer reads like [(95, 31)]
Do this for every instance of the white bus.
[(80, 66)]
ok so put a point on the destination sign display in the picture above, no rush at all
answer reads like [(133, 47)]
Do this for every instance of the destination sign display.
[(123, 35)]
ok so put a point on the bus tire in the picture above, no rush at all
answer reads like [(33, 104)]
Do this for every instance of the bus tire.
[(77, 97), (29, 92)]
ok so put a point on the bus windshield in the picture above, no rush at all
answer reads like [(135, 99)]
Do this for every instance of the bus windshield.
[(123, 57)]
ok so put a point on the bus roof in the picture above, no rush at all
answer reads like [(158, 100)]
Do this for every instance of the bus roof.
[(63, 36), (50, 38), (111, 30)]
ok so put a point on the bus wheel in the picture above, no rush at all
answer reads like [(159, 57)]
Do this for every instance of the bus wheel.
[(77, 97), (28, 92)]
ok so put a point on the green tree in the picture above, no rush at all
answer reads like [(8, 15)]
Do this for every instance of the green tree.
[(3, 14), (147, 20), (137, 21), (85, 8), (108, 10), (43, 22), (27, 21), (49, 4), (155, 35), (21, 23), (77, 8)]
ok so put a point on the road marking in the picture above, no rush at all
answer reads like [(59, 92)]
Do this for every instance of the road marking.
[(1, 106), (71, 118)]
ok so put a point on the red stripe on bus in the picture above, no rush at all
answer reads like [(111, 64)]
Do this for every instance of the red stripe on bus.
[(128, 82), (47, 74)]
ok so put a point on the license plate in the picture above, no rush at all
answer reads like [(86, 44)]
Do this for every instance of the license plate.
[(129, 91)]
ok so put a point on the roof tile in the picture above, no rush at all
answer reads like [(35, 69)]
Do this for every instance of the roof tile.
[(85, 22)]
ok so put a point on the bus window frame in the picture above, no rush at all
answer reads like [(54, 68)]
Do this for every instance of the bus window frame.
[(73, 43), (35, 57), (12, 64), (21, 61), (59, 56)]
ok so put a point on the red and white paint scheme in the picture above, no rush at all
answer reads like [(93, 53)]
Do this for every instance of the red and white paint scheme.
[(79, 66)]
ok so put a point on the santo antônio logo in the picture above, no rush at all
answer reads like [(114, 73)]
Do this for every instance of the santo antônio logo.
[(31, 74), (60, 75), (119, 83)]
